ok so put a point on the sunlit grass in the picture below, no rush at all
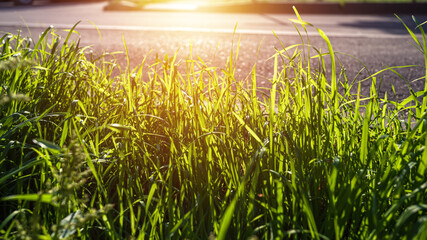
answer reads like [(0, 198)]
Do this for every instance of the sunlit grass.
[(156, 152)]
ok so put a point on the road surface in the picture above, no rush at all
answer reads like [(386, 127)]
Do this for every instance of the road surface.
[(377, 41)]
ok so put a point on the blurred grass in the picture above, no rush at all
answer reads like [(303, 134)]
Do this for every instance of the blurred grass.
[(158, 153)]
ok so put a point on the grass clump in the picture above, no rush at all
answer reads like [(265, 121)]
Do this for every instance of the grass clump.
[(159, 153)]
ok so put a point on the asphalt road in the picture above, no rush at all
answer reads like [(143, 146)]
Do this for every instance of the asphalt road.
[(377, 41)]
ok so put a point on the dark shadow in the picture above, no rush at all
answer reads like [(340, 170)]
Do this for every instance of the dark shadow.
[(273, 19), (9, 5), (391, 27)]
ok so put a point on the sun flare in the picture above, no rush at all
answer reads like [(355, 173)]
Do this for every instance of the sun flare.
[(176, 5)]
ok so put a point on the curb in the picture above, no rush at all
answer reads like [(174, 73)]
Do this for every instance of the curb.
[(304, 8)]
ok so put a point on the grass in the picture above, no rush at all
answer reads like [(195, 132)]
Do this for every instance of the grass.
[(158, 153)]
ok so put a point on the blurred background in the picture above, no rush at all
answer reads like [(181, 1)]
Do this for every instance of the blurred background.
[(207, 2)]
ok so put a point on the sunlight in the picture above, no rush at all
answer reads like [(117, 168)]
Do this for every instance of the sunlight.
[(175, 5), (172, 6)]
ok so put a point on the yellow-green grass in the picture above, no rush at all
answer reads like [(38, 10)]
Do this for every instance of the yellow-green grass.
[(159, 153)]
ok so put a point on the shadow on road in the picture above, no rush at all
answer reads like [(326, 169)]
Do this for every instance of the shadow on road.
[(273, 19), (9, 5), (387, 26)]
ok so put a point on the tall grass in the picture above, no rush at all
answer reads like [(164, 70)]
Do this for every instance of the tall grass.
[(159, 153)]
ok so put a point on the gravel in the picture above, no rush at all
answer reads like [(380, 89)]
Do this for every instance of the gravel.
[(215, 48)]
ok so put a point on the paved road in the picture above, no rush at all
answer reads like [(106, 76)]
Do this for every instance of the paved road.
[(378, 41), (64, 15)]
